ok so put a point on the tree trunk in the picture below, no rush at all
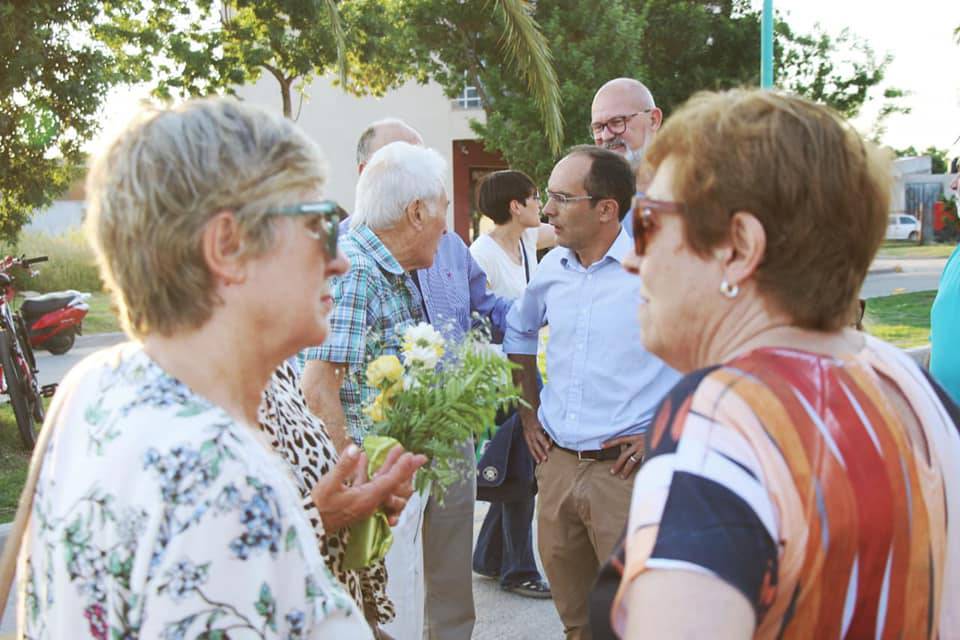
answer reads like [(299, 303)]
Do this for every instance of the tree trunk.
[(285, 85), (285, 94)]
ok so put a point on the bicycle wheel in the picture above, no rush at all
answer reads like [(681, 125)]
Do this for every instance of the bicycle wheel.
[(24, 338), (19, 392), (32, 384)]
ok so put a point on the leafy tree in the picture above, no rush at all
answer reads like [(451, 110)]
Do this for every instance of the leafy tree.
[(214, 46), (940, 159), (676, 47), (689, 46), (52, 83), (209, 46), (591, 42)]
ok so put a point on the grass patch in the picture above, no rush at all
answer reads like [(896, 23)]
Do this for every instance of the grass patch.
[(909, 249), (14, 461), (71, 264), (102, 318), (902, 319)]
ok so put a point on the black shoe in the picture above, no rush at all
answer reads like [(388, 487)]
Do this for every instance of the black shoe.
[(530, 589)]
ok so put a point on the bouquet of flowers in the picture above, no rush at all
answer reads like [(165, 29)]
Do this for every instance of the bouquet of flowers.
[(432, 410)]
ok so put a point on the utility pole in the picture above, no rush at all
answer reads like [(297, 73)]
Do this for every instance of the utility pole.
[(766, 46)]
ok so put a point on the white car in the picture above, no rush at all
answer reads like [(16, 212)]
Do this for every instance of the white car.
[(902, 227)]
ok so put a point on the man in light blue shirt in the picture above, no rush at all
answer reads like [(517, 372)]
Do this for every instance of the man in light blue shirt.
[(586, 428)]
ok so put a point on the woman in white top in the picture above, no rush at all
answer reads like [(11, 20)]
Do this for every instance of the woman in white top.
[(508, 255), (161, 511)]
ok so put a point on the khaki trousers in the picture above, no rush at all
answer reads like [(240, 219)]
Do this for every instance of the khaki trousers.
[(582, 510), (447, 557)]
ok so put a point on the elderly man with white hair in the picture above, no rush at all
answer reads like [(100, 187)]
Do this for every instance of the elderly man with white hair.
[(399, 219), (454, 296), (400, 216)]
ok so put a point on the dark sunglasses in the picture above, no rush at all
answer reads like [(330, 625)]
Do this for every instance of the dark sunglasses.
[(644, 220), (330, 214)]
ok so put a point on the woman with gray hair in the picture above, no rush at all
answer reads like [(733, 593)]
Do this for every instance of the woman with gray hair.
[(181, 521)]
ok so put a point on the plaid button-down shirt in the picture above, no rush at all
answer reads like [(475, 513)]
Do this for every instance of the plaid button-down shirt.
[(374, 301)]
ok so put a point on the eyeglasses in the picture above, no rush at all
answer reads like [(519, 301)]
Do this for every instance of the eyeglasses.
[(563, 200), (643, 220), (616, 125), (328, 214)]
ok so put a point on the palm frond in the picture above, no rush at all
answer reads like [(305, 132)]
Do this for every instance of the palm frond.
[(528, 49), (339, 39)]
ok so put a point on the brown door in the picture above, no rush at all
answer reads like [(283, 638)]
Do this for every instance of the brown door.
[(471, 162)]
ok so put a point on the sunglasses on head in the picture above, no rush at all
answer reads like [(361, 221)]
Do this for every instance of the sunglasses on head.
[(329, 214), (644, 218)]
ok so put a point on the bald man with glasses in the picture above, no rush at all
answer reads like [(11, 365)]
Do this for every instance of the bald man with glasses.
[(624, 119)]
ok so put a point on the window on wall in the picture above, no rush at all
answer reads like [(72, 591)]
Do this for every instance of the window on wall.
[(469, 98)]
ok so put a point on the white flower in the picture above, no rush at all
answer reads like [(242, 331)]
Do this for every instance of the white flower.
[(422, 335), (417, 356)]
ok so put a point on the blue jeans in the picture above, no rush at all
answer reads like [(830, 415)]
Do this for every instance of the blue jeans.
[(505, 543)]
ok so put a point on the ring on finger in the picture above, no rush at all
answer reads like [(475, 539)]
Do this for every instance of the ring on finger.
[(634, 458)]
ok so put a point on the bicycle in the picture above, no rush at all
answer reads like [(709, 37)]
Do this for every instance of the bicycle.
[(18, 365)]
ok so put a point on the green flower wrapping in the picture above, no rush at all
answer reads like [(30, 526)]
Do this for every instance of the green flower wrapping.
[(370, 539)]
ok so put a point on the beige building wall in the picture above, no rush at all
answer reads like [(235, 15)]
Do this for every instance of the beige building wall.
[(335, 119)]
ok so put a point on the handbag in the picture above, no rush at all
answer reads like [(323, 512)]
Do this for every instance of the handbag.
[(505, 466)]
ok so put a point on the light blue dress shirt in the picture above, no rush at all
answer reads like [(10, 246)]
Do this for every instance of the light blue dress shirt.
[(454, 291), (601, 383)]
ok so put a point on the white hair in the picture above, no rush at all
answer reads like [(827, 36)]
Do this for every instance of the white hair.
[(398, 174)]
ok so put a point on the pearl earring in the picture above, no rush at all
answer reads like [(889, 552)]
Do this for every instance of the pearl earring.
[(729, 290)]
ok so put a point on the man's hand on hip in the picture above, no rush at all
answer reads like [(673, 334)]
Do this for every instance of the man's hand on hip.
[(537, 439), (631, 454)]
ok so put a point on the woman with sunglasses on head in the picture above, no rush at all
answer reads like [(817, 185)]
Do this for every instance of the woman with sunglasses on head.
[(803, 478), (161, 510), (508, 255)]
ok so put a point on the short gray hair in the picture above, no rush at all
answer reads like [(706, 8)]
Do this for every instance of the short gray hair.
[(155, 187), (397, 175)]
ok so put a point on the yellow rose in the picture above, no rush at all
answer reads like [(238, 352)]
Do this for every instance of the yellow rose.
[(391, 391), (375, 410), (384, 368)]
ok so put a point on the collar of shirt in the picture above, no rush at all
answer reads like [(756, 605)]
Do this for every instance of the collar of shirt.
[(367, 240), (617, 252)]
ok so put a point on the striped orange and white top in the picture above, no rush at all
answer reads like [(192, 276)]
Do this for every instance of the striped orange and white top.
[(790, 476)]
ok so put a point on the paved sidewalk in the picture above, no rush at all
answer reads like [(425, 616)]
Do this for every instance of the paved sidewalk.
[(505, 616)]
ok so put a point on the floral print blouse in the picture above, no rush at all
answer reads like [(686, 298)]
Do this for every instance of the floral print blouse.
[(157, 515)]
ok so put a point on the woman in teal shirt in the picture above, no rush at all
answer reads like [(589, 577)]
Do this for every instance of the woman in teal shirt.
[(945, 327)]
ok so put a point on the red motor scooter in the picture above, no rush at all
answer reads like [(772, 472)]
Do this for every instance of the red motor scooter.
[(52, 320)]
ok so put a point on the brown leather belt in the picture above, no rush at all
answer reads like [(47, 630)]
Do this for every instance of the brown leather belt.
[(593, 454)]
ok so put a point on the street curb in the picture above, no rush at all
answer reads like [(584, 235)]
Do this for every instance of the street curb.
[(882, 257), (876, 272)]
